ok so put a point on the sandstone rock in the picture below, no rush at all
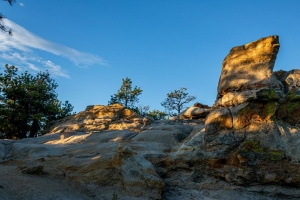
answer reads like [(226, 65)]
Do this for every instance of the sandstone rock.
[(249, 66), (248, 113), (200, 105), (289, 109), (194, 113), (168, 135), (138, 174), (217, 120), (279, 74), (98, 118), (125, 125), (291, 78), (247, 134)]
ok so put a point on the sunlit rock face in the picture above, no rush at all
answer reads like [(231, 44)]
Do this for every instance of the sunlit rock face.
[(197, 111), (249, 66), (99, 118), (251, 135)]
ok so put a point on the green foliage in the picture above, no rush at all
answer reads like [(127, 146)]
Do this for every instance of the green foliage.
[(142, 110), (126, 95), (154, 114), (157, 115), (177, 99), (28, 103)]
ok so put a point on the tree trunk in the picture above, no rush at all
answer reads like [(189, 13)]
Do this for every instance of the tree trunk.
[(35, 127)]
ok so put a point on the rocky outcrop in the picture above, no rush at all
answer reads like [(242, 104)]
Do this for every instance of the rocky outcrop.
[(247, 146), (250, 133), (99, 118), (249, 66), (102, 162), (197, 111)]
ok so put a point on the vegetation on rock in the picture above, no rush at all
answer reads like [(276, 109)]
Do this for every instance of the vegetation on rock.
[(157, 115), (177, 99), (126, 95)]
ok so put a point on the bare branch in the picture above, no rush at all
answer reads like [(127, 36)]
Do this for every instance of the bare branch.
[(2, 27)]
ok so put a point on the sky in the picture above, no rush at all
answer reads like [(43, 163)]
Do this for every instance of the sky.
[(88, 47)]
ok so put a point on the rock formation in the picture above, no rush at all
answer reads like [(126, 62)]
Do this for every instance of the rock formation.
[(198, 111), (251, 133), (99, 118), (247, 148)]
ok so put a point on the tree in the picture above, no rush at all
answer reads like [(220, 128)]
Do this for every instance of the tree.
[(2, 26), (142, 110), (126, 95), (28, 103), (157, 115), (177, 99)]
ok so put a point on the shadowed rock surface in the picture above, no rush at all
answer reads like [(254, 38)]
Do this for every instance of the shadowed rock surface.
[(247, 147)]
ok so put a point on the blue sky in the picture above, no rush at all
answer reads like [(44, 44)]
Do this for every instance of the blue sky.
[(89, 46)]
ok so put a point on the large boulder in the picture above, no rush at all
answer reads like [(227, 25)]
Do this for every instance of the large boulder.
[(249, 66), (249, 134), (194, 113), (99, 118)]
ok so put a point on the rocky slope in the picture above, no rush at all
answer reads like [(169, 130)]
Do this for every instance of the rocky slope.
[(247, 147)]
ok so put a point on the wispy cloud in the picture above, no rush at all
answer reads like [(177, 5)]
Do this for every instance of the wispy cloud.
[(20, 49), (21, 4)]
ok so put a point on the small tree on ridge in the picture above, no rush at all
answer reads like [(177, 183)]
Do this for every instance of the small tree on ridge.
[(177, 99), (126, 95)]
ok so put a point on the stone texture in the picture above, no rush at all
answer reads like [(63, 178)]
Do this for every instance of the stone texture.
[(291, 78), (98, 118), (289, 109), (194, 113), (217, 120), (138, 174), (248, 66)]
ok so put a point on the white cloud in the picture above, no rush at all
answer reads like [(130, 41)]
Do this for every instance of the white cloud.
[(21, 4), (27, 61), (56, 69), (20, 49)]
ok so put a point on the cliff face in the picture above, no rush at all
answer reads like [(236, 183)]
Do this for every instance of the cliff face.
[(248, 146), (251, 135)]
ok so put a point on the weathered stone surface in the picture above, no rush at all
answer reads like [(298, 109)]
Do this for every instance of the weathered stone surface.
[(217, 120), (98, 118), (5, 146), (255, 145), (138, 174), (291, 78), (200, 105), (168, 135), (194, 113), (249, 66), (289, 109), (237, 98), (247, 113), (120, 161)]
